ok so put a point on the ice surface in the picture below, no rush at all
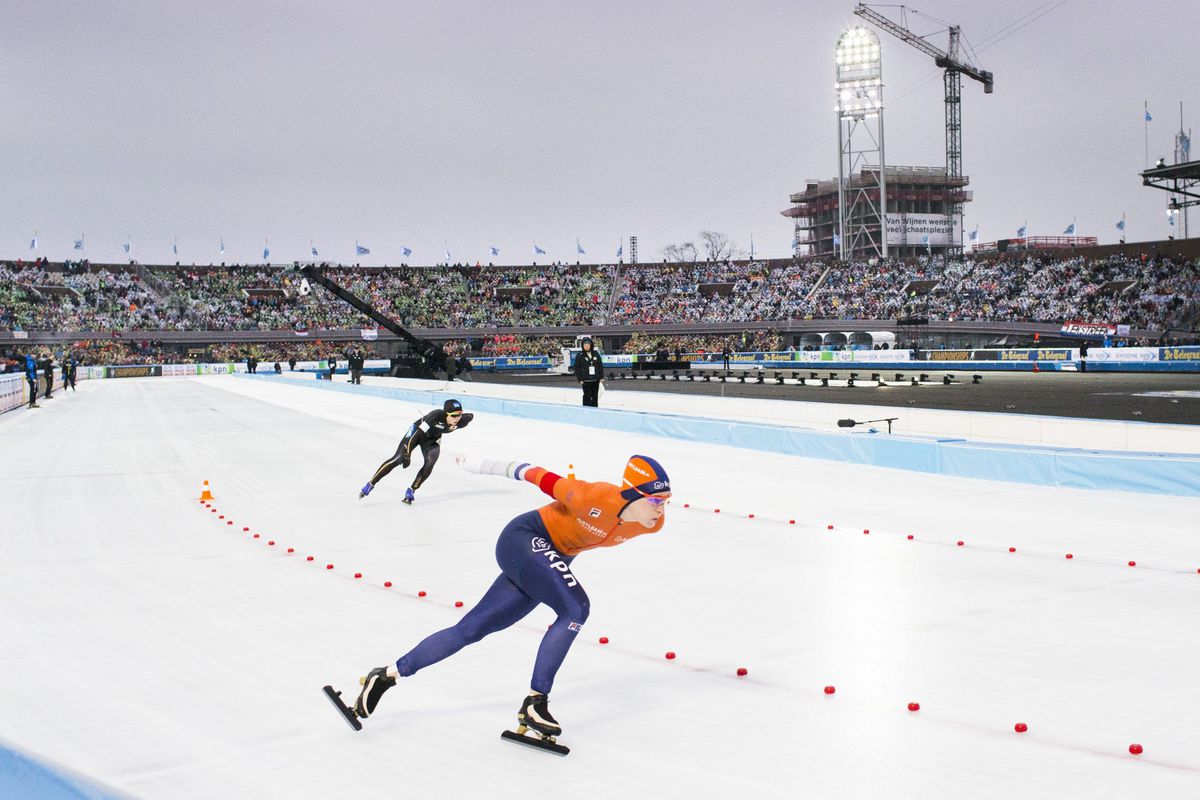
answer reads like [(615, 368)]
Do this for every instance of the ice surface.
[(151, 646)]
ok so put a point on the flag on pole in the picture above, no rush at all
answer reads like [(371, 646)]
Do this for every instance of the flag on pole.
[(79, 243), (314, 251), (925, 241), (1148, 117), (837, 240), (266, 252), (407, 251), (175, 246), (579, 248), (1171, 219), (495, 250), (620, 250), (222, 241), (33, 242), (359, 250), (449, 258), (1021, 230), (974, 234), (126, 247), (1070, 231), (537, 251), (1121, 225)]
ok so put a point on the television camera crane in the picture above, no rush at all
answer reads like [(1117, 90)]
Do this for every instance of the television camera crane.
[(428, 350)]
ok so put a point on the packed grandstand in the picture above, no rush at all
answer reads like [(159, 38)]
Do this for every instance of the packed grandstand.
[(466, 306)]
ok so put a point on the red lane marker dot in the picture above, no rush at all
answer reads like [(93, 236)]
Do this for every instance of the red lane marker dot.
[(222, 516), (830, 689), (866, 531), (742, 672), (1012, 549), (1069, 556), (291, 549), (603, 640), (245, 530), (1133, 563), (458, 604), (716, 511), (358, 575), (387, 584), (271, 543), (791, 522), (828, 527), (329, 566), (960, 542), (751, 516), (229, 522), (910, 536), (670, 655), (1020, 727), (310, 558), (914, 706), (212, 510), (687, 505), (256, 536), (1136, 749), (421, 593)]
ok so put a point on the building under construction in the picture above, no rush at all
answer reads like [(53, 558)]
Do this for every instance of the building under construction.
[(919, 202)]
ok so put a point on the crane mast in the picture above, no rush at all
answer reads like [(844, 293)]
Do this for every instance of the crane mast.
[(955, 67)]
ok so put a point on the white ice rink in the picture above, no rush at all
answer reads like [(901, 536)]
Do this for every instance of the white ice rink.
[(151, 646)]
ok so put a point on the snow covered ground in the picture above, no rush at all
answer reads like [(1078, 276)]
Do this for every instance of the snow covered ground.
[(150, 645)]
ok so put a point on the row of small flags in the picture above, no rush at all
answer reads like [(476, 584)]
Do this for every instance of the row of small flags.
[(974, 234), (359, 250)]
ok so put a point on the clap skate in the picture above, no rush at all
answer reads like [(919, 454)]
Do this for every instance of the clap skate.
[(374, 685), (534, 716)]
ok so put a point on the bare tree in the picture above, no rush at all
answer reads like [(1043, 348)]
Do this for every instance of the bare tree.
[(717, 246), (677, 253)]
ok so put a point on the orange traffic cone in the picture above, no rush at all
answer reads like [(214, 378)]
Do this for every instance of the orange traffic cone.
[(571, 471), (206, 494)]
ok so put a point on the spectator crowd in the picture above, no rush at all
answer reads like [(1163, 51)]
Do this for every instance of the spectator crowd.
[(1040, 287)]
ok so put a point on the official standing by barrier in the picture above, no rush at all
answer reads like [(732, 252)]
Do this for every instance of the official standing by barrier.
[(31, 376), (589, 371)]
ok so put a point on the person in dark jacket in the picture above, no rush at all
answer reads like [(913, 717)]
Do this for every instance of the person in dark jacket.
[(589, 371), (31, 376), (69, 366), (47, 367)]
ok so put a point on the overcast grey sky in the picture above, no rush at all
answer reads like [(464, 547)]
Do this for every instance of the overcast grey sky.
[(469, 124)]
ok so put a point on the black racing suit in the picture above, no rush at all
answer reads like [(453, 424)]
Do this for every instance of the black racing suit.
[(426, 434)]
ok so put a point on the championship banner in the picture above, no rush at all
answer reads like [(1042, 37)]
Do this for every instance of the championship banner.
[(370, 334), (144, 371), (1089, 330)]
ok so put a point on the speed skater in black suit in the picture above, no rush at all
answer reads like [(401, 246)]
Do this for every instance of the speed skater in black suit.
[(426, 434)]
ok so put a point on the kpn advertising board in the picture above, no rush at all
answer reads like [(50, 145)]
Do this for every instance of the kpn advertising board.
[(911, 230)]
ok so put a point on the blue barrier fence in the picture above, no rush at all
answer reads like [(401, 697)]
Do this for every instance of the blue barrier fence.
[(1149, 473)]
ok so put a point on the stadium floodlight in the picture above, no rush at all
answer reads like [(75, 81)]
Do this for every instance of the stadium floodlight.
[(859, 73), (862, 204)]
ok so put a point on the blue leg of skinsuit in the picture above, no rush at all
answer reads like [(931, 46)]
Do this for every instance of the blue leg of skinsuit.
[(528, 578)]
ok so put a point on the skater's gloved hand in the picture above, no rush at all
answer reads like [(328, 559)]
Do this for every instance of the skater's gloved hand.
[(405, 460)]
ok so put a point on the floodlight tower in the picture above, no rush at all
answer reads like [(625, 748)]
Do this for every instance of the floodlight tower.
[(862, 204), (956, 66)]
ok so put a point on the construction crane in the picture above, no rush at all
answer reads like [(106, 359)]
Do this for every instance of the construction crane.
[(956, 66)]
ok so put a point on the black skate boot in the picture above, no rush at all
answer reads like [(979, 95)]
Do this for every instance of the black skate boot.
[(535, 714), (373, 686)]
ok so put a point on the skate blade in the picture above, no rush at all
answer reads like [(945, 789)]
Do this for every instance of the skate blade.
[(348, 714), (537, 741)]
